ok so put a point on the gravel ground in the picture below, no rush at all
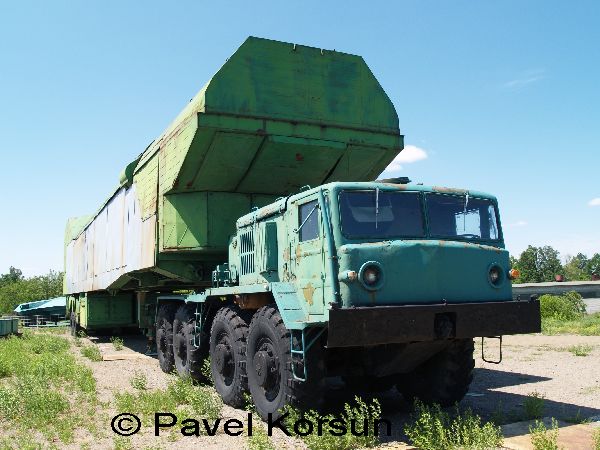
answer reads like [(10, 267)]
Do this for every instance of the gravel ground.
[(570, 386)]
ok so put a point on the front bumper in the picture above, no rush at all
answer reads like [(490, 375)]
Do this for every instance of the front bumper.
[(375, 325)]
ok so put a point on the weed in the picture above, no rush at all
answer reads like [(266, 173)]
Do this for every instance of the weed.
[(81, 334), (117, 343), (249, 403), (139, 381), (596, 438), (543, 438), (580, 350), (92, 352), (205, 370), (533, 405), (434, 429), (78, 342), (259, 439), (181, 396), (361, 421), (577, 418)]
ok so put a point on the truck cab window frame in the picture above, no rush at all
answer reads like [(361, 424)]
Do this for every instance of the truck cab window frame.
[(308, 221)]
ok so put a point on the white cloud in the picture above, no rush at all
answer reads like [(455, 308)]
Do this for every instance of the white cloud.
[(594, 202), (410, 154), (525, 78)]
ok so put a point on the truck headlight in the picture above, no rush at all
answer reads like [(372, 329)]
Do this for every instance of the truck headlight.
[(371, 275), (495, 274)]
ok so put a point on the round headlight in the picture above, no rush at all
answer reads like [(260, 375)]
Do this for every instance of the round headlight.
[(371, 275), (495, 275)]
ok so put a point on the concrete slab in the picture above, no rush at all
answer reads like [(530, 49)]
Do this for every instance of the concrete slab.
[(109, 353), (573, 437)]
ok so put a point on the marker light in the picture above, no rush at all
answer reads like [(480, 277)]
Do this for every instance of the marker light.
[(513, 274)]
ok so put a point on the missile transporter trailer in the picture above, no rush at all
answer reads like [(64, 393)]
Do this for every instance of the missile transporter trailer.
[(215, 245)]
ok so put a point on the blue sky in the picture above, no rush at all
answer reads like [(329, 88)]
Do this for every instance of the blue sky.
[(502, 97)]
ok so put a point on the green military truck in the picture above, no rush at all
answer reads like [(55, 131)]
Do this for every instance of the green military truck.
[(214, 244)]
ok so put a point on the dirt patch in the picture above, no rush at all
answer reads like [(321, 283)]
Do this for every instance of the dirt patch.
[(570, 386)]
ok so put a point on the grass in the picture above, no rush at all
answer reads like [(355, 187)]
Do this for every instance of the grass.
[(580, 350), (44, 392), (181, 397), (259, 439), (565, 314), (533, 406), (92, 352), (117, 343), (139, 381), (543, 438), (363, 415), (596, 438), (588, 325), (434, 429)]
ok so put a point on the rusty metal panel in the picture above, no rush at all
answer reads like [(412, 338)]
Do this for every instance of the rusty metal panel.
[(117, 241)]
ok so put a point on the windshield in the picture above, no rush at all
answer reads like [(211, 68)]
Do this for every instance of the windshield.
[(382, 214), (461, 216), (392, 214)]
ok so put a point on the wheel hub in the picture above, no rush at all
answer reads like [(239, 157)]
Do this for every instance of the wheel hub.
[(266, 366), (223, 357)]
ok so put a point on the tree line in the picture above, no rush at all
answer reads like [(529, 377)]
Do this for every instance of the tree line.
[(16, 289), (536, 265), (539, 264)]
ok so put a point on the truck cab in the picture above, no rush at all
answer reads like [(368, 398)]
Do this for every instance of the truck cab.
[(380, 283)]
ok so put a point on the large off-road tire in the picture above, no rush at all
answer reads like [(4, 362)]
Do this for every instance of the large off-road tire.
[(443, 379), (188, 358), (164, 336), (228, 336), (269, 367)]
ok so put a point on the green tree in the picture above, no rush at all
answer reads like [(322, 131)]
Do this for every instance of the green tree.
[(539, 264), (12, 276), (593, 265), (20, 290), (576, 268)]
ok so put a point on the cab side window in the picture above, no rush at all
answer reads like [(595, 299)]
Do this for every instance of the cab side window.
[(308, 221)]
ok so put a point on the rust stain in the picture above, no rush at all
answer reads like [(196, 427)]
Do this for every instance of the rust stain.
[(309, 292), (401, 187), (449, 190), (286, 254), (298, 253)]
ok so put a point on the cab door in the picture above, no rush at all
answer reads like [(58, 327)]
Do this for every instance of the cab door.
[(307, 253)]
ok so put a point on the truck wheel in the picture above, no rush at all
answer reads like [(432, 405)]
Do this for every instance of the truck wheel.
[(164, 336), (270, 378), (188, 358), (443, 379), (228, 355)]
